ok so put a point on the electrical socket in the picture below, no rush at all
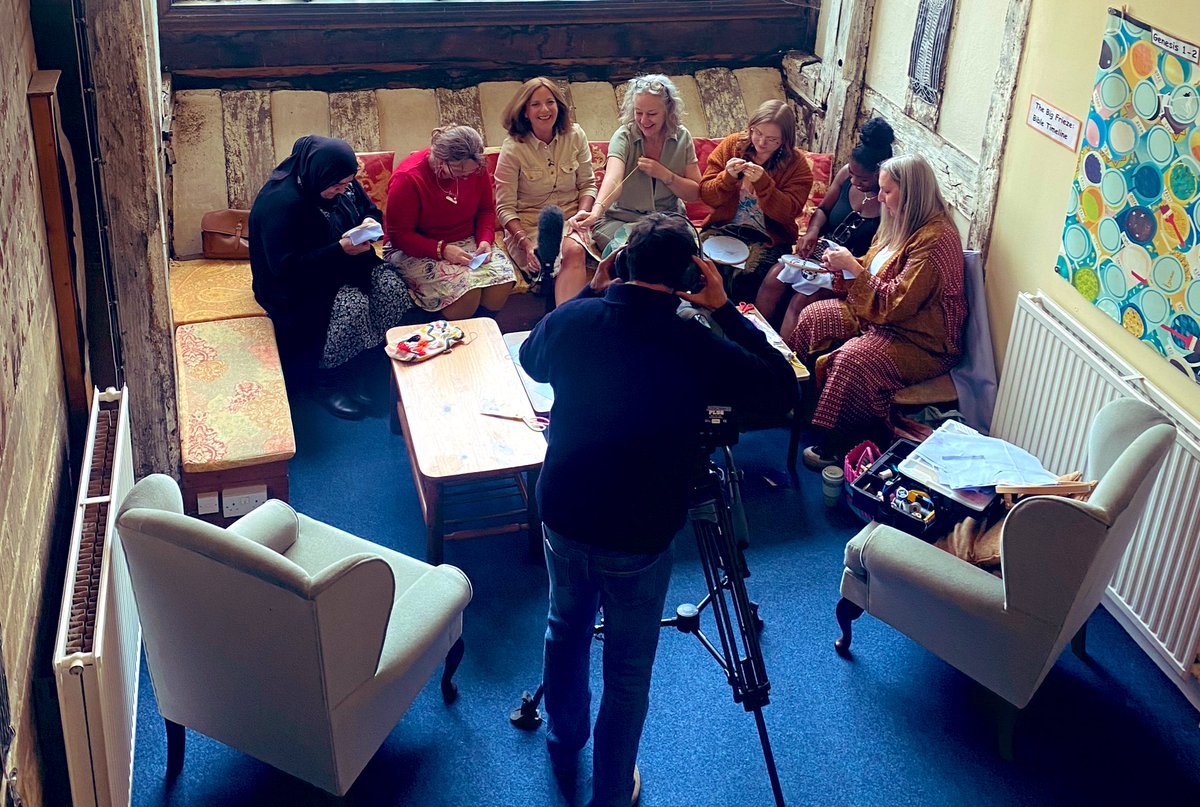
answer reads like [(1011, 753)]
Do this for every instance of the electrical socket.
[(240, 500)]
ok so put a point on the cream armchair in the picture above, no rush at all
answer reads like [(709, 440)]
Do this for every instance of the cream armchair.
[(1057, 557), (290, 640)]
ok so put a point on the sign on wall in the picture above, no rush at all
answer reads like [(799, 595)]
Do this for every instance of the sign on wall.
[(1131, 241)]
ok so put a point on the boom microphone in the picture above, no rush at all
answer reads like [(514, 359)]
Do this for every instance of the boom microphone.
[(549, 240)]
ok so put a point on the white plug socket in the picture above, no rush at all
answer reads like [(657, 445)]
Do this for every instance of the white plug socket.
[(240, 500)]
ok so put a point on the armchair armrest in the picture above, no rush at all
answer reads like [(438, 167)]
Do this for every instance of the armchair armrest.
[(421, 615), (354, 597), (274, 525), (1047, 546), (900, 565)]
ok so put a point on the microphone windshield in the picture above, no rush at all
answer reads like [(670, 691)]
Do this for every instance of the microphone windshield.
[(549, 237)]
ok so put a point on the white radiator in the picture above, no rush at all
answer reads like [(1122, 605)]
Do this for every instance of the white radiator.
[(98, 646), (1057, 376)]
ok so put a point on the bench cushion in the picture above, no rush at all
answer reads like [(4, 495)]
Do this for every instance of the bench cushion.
[(203, 290), (233, 406)]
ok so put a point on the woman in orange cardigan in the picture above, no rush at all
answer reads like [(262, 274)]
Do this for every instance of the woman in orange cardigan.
[(757, 182)]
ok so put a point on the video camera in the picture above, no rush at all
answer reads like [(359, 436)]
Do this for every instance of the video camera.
[(718, 428)]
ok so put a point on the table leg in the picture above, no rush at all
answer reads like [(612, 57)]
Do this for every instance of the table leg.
[(533, 516), (434, 527), (394, 419)]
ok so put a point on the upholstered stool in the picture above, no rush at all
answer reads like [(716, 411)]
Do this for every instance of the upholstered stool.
[(203, 290), (235, 426)]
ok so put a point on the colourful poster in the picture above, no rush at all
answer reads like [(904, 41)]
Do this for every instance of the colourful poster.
[(1131, 241)]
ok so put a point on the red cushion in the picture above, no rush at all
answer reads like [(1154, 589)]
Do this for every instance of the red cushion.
[(374, 171), (822, 167), (697, 211)]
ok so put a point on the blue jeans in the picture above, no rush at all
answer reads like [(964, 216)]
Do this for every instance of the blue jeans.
[(631, 589)]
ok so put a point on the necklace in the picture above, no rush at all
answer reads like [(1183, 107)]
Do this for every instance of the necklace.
[(866, 200), (452, 198)]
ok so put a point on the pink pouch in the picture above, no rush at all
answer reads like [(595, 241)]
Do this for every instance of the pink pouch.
[(858, 460)]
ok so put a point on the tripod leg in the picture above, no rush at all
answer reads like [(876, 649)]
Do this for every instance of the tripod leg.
[(847, 612)]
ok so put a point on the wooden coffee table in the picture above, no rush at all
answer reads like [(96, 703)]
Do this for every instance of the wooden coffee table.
[(460, 457)]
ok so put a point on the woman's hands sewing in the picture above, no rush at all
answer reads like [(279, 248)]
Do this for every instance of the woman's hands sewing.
[(744, 169), (838, 258), (655, 170), (350, 248), (712, 296), (457, 255)]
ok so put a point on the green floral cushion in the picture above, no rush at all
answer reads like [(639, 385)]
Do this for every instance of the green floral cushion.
[(233, 406)]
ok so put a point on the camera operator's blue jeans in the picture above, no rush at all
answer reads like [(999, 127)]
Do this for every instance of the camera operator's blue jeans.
[(631, 589)]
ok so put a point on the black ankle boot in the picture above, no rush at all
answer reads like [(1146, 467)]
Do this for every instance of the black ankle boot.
[(332, 395)]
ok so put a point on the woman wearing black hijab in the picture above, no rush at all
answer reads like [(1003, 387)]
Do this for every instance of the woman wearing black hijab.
[(328, 298)]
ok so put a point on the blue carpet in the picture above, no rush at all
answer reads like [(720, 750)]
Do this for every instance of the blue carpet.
[(893, 726)]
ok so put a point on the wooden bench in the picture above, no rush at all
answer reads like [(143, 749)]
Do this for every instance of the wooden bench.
[(235, 425)]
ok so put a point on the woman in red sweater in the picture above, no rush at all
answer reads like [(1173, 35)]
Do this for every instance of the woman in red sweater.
[(757, 182), (440, 226)]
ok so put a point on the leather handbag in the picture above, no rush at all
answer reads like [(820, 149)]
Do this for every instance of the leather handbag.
[(225, 234)]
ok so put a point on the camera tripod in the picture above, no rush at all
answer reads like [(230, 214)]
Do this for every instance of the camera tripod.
[(718, 520)]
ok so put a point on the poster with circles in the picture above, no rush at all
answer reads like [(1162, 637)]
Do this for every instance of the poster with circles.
[(1131, 241)]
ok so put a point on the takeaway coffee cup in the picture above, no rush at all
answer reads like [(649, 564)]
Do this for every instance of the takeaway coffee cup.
[(832, 479)]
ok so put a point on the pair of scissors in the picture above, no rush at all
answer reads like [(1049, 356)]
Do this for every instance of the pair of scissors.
[(535, 422)]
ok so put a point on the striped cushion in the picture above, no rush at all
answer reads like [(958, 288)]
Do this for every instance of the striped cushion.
[(203, 290), (233, 407)]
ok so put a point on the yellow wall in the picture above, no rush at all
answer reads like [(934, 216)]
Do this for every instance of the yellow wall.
[(1059, 66), (971, 58)]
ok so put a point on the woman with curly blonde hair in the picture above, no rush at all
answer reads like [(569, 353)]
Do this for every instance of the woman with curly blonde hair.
[(651, 166)]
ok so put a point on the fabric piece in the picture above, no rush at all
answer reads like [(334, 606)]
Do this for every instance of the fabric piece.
[(233, 406), (359, 320), (426, 342), (821, 166), (975, 377), (435, 284)]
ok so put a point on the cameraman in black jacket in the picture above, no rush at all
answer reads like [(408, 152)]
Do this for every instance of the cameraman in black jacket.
[(631, 381)]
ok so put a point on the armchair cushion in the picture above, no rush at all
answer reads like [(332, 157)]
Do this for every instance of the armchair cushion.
[(274, 525)]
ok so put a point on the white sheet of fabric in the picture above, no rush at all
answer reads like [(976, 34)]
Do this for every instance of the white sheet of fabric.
[(803, 280)]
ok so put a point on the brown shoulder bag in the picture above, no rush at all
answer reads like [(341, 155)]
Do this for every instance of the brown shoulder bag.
[(225, 234)]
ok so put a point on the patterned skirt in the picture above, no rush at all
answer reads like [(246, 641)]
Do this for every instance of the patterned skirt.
[(359, 321), (435, 284)]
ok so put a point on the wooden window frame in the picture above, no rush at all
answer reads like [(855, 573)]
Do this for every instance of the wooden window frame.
[(246, 40)]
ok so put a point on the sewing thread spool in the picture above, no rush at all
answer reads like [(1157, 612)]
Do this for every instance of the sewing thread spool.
[(832, 479)]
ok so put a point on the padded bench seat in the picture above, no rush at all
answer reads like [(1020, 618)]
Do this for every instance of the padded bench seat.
[(235, 422), (204, 289)]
